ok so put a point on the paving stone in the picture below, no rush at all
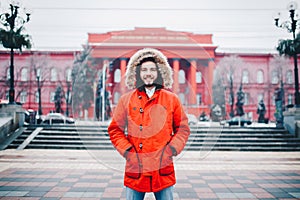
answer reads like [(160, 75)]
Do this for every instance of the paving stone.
[(225, 180)]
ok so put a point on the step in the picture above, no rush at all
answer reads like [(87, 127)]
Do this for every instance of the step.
[(207, 138)]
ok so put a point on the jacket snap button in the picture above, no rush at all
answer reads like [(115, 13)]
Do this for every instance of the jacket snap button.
[(141, 145), (141, 110), (141, 127)]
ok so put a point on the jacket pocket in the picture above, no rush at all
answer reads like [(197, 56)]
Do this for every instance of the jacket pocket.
[(133, 165), (166, 162)]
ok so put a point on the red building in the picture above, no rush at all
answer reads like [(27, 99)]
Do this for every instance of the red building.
[(52, 67), (193, 58)]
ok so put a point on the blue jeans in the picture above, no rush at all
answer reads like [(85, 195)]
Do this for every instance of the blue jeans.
[(165, 194)]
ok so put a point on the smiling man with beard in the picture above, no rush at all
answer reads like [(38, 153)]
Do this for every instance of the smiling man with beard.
[(157, 127)]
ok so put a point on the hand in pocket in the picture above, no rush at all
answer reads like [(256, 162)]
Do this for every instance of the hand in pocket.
[(132, 169), (166, 162)]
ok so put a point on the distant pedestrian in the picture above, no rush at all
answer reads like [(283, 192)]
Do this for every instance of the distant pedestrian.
[(149, 127)]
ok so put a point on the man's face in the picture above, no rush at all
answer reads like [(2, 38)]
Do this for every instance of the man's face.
[(148, 73)]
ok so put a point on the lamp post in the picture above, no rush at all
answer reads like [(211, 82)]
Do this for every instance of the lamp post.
[(291, 26), (13, 39), (39, 92), (68, 97), (103, 92)]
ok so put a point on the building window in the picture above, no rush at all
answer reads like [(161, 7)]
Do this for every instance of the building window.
[(24, 74), (245, 76), (182, 98), (273, 100), (181, 76), (260, 97), (246, 99), (7, 74), (68, 75), (290, 99), (198, 77), (52, 95), (260, 76), (36, 97), (229, 100), (289, 77), (117, 76), (23, 97), (116, 97), (199, 99), (275, 77), (39, 73), (53, 74)]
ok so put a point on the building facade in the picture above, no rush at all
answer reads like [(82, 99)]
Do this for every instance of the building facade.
[(193, 58)]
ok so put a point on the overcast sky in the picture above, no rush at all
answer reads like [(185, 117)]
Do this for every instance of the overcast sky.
[(235, 24)]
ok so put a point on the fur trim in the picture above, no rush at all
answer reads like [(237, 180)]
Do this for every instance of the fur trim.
[(161, 60)]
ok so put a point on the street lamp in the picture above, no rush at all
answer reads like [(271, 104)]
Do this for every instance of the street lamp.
[(39, 92), (12, 38), (291, 26), (68, 97)]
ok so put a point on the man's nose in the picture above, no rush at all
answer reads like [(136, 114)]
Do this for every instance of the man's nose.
[(148, 72)]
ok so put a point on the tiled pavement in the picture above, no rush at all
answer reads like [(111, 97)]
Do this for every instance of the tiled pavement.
[(72, 174)]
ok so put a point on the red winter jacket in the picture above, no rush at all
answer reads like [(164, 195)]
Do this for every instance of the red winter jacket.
[(148, 132)]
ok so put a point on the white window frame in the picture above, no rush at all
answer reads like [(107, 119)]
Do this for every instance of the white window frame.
[(117, 96), (274, 77), (8, 74), (289, 77), (53, 74), (117, 76), (52, 95), (245, 76), (23, 97), (68, 74), (181, 76), (198, 77), (260, 76), (36, 97), (24, 74)]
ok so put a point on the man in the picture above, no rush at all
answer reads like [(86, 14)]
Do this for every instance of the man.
[(149, 127)]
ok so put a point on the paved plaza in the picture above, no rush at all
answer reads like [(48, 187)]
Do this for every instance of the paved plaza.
[(89, 174)]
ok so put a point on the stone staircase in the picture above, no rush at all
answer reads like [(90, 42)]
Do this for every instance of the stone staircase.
[(95, 137)]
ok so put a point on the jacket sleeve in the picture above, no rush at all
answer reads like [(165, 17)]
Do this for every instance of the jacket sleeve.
[(181, 128), (116, 129)]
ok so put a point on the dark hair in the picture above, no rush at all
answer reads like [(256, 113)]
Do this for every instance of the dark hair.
[(139, 83)]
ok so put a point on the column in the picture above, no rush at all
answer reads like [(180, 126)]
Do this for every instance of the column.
[(192, 81), (175, 75), (123, 63), (211, 67)]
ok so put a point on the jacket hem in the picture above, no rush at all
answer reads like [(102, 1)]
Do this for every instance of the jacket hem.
[(154, 190)]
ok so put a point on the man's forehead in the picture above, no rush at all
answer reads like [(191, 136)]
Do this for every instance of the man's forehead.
[(148, 64)]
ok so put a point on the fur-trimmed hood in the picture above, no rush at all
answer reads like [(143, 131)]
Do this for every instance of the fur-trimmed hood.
[(161, 61)]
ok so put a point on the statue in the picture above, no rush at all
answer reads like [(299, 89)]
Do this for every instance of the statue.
[(261, 111), (216, 113), (279, 107), (240, 102), (203, 117)]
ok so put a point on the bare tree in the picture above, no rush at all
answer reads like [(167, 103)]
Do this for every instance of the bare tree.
[(4, 79), (280, 64), (228, 70), (39, 69), (83, 77)]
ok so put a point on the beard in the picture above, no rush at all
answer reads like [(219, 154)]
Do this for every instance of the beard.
[(147, 85)]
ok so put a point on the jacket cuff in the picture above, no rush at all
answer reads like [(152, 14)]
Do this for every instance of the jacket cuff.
[(174, 152), (126, 152)]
